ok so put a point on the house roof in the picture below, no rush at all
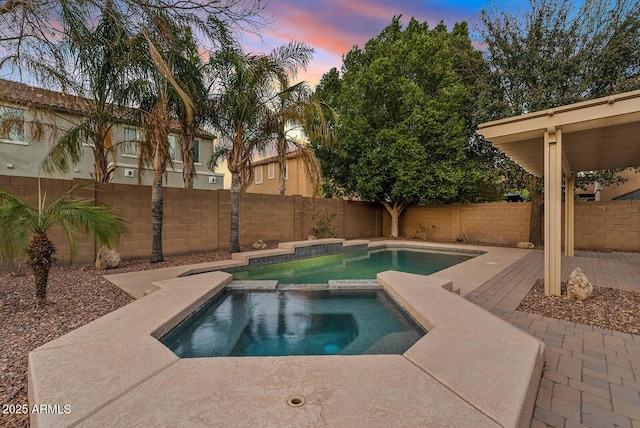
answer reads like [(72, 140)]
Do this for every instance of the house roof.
[(26, 95), (272, 159), (23, 94)]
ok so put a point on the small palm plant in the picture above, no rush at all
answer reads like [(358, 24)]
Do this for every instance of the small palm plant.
[(24, 228)]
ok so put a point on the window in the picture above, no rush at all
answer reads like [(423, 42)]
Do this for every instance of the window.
[(11, 124), (271, 170), (131, 138), (258, 175), (196, 151), (286, 170), (175, 150)]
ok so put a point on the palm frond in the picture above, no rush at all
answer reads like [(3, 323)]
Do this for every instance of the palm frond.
[(219, 153), (66, 152), (18, 219), (15, 219)]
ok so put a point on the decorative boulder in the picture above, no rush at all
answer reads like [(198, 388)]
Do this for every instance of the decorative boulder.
[(259, 245), (525, 245), (311, 238), (578, 286), (107, 259)]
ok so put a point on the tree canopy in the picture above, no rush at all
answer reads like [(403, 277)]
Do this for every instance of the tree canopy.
[(554, 54), (403, 128), (30, 31)]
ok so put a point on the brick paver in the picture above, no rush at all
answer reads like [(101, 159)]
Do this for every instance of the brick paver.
[(592, 375)]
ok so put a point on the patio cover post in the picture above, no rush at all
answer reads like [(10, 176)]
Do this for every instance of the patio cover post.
[(552, 212)]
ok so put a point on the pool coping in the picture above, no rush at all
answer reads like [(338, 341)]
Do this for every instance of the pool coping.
[(487, 375)]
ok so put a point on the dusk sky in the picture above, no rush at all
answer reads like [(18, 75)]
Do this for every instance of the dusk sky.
[(332, 27)]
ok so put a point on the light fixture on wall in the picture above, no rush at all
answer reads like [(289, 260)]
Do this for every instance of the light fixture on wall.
[(10, 165)]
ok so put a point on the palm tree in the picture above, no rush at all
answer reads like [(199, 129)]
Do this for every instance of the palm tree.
[(239, 113), (24, 227), (158, 48), (242, 94), (188, 71), (101, 58), (297, 110)]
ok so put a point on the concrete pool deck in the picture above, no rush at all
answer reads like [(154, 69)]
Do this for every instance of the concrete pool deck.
[(471, 369)]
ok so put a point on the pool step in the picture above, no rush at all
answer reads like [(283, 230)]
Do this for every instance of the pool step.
[(262, 285), (392, 342), (337, 284)]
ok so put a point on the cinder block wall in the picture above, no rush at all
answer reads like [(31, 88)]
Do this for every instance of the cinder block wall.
[(613, 225), (608, 225), (491, 223), (200, 220)]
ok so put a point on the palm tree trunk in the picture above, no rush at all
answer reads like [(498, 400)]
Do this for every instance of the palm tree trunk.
[(234, 243), (157, 213), (188, 167), (282, 161), (41, 251)]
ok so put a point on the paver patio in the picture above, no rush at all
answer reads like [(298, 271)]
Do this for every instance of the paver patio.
[(592, 375)]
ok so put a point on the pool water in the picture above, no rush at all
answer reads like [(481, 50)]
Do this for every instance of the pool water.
[(316, 322), (352, 265)]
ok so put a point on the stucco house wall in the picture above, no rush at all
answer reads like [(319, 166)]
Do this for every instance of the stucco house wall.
[(47, 115)]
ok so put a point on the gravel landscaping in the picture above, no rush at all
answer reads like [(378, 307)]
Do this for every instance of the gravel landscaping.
[(607, 308), (78, 295)]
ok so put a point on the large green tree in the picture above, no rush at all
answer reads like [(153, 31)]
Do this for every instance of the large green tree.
[(555, 53), (402, 102)]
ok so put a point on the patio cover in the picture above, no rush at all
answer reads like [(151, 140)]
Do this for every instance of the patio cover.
[(590, 135)]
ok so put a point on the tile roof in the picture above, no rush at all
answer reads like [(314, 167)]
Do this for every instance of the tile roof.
[(291, 155), (23, 94), (26, 95)]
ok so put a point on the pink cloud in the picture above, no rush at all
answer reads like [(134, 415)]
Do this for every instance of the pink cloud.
[(333, 27)]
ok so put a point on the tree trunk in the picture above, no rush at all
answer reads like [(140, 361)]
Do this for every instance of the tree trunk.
[(40, 252), (100, 162), (102, 171), (234, 243), (282, 163), (188, 167), (157, 213), (536, 221), (395, 212)]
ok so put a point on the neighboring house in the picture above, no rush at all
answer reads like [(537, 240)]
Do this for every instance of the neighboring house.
[(33, 119), (625, 191), (266, 176)]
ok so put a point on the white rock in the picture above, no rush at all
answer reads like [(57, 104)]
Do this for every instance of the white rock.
[(259, 245), (525, 245), (107, 259), (578, 285)]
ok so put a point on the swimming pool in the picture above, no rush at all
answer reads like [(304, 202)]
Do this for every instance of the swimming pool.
[(283, 323), (353, 265)]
